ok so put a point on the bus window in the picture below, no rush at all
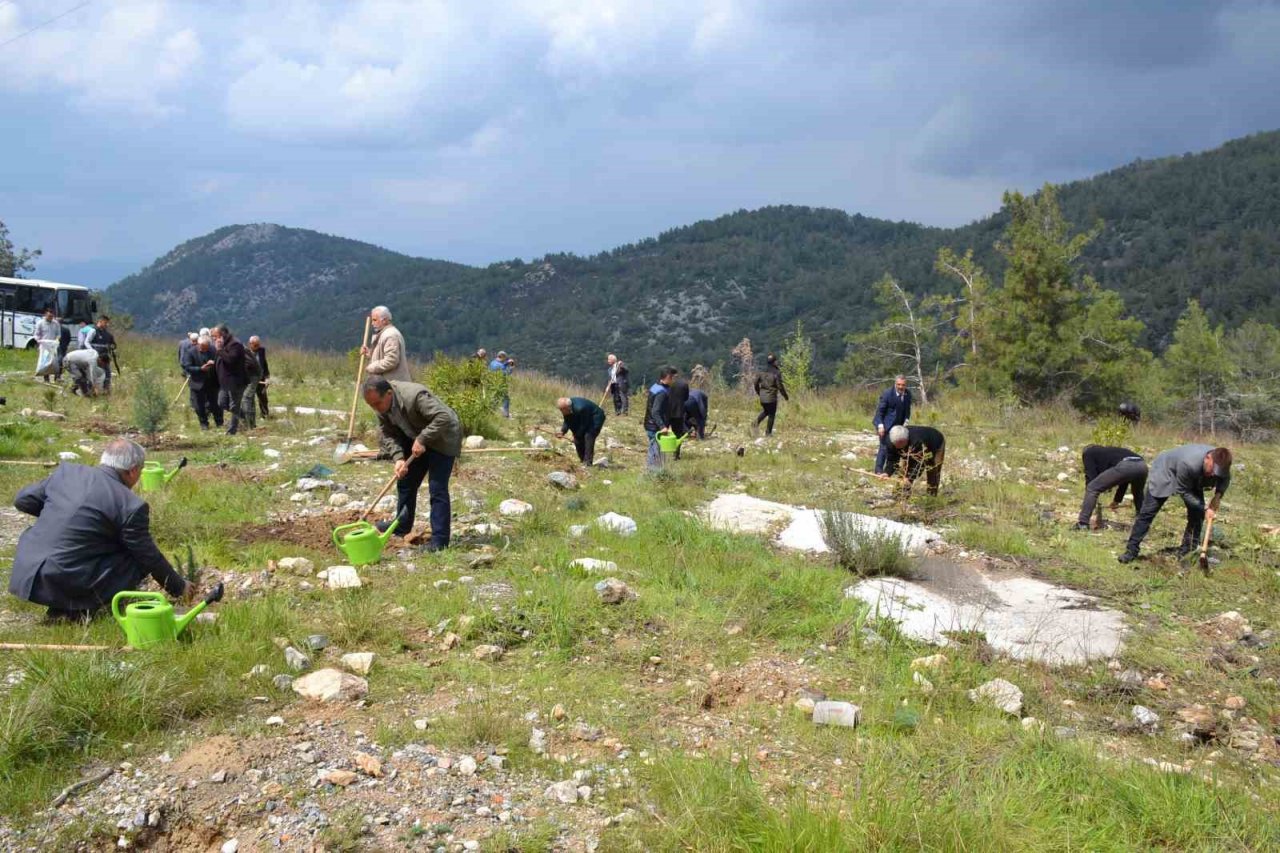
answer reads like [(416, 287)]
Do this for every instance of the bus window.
[(64, 303)]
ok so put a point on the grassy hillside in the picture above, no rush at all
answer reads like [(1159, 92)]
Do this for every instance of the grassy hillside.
[(677, 708), (1204, 226)]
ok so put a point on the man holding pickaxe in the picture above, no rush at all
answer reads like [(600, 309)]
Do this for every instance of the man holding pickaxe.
[(619, 385)]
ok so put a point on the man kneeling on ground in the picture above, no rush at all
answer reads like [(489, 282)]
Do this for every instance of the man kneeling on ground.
[(922, 448), (423, 437), (1106, 468), (584, 419), (92, 537), (1185, 471)]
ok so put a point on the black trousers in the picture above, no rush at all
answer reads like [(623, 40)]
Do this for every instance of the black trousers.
[(263, 405), (1151, 507), (232, 394), (204, 401), (769, 411), (435, 468), (585, 444), (1124, 474), (930, 464), (678, 429), (621, 399)]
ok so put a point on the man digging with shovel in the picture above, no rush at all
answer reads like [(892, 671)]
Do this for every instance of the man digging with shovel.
[(1185, 471), (423, 437)]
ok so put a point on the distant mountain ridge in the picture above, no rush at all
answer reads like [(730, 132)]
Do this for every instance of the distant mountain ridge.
[(1204, 225)]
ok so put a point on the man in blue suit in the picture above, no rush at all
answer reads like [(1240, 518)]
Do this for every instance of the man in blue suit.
[(894, 409)]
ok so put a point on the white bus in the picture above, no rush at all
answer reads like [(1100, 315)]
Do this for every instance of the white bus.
[(23, 301)]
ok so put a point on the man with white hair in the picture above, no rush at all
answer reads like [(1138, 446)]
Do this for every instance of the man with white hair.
[(922, 449), (584, 419), (387, 358), (91, 539)]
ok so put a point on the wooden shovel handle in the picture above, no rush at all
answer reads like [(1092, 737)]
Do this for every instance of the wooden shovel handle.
[(51, 647), (355, 396), (385, 489), (1204, 545)]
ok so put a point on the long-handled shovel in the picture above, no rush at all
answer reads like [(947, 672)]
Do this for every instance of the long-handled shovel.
[(181, 391), (606, 394), (385, 489), (345, 447), (1204, 547)]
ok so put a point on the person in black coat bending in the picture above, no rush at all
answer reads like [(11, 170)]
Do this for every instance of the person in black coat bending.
[(1107, 468), (584, 419), (91, 539), (695, 412), (677, 396), (894, 409), (922, 448)]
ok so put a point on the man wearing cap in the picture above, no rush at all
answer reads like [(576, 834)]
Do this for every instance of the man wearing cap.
[(1185, 471)]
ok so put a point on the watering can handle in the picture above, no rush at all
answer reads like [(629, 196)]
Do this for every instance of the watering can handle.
[(342, 527), (128, 593)]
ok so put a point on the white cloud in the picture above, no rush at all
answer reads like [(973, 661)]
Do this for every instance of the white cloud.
[(131, 55)]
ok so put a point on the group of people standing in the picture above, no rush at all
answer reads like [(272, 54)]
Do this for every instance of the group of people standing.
[(88, 363), (223, 375)]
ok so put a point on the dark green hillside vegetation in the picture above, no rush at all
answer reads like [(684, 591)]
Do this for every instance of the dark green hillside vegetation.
[(1203, 226)]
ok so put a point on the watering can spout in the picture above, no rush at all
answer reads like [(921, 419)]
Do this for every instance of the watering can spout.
[(182, 463), (391, 528), (215, 594)]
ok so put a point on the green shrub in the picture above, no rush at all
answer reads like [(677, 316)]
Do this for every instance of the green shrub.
[(471, 389), (150, 404), (865, 551)]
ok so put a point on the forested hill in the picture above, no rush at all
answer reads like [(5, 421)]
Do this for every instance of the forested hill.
[(1204, 226)]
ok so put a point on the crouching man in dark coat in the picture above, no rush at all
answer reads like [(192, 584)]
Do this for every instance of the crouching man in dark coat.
[(91, 539), (584, 419), (423, 437)]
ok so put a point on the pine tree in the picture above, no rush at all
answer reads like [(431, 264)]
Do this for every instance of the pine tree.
[(1197, 367)]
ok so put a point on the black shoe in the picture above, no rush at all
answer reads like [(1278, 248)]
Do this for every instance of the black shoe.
[(1127, 557), (433, 547), (1079, 525)]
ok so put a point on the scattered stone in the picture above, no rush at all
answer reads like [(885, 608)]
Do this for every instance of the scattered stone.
[(1156, 683), (271, 453), (584, 732), (1234, 703), (1199, 720), (591, 564), (68, 455), (1144, 716), (327, 685), (1064, 732), (341, 778), (1063, 476), (577, 531), (295, 659), (317, 642), (539, 442), (473, 442), (514, 507), (561, 480), (275, 721), (829, 713), (933, 662), (495, 762), (298, 497), (925, 685), (558, 712), (620, 524), (368, 764), (805, 706), (342, 577), (449, 641), (296, 564), (584, 792), (310, 484), (282, 682), (421, 724), (614, 591), (1230, 626), (258, 669), (538, 741), (562, 792), (467, 766), (49, 416), (1000, 694), (218, 776), (488, 653), (1131, 681), (231, 846), (443, 583), (1030, 724), (358, 662), (339, 499)]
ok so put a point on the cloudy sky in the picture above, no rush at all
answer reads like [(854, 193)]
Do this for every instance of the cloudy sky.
[(479, 131)]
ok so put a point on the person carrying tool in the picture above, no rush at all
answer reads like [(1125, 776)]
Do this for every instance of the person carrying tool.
[(1106, 468), (619, 385), (387, 357), (768, 386), (260, 355), (893, 409), (657, 416), (503, 365), (202, 382), (100, 339), (91, 538), (423, 437), (923, 449), (1185, 471), (584, 419), (695, 412), (232, 376)]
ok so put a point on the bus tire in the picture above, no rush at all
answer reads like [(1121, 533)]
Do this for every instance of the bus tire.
[(31, 344)]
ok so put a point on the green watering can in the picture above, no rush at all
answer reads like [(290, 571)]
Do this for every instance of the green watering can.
[(669, 442), (363, 545), (154, 475), (149, 621)]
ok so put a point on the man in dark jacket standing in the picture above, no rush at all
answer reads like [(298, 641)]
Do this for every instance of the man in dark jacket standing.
[(677, 397), (695, 412), (919, 449), (584, 419), (260, 353), (1185, 471), (1107, 468), (91, 539), (768, 386), (619, 384), (101, 340), (894, 409), (202, 382), (657, 417), (231, 373), (423, 437)]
